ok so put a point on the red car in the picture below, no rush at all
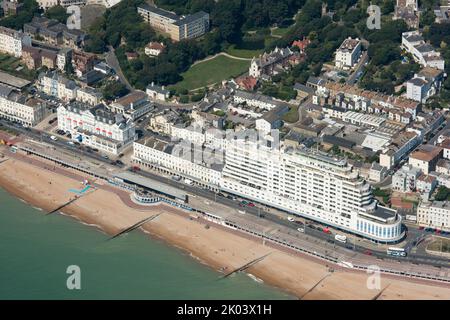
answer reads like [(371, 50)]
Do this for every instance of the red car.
[(326, 230), (251, 204), (421, 228), (368, 252)]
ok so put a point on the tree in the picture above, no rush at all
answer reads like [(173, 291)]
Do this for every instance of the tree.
[(58, 13), (114, 90), (29, 10)]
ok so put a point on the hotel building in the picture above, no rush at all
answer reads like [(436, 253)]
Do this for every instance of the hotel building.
[(96, 127), (177, 27)]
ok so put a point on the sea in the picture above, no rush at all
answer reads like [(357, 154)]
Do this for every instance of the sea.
[(57, 257)]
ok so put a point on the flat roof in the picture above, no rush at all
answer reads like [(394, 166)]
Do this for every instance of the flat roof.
[(13, 81), (384, 213), (151, 184), (426, 153)]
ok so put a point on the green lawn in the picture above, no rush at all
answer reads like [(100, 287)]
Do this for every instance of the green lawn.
[(280, 31), (244, 53), (212, 71)]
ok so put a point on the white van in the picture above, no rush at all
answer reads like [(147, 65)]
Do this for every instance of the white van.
[(340, 238)]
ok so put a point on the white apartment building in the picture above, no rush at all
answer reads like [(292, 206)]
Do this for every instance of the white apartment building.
[(194, 133), (425, 84), (177, 27), (200, 135), (405, 179), (56, 85), (18, 108), (399, 148), (180, 159), (434, 214), (96, 126), (308, 184), (348, 54), (423, 53), (12, 41)]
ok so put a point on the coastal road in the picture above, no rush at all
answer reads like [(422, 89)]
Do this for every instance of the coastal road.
[(261, 213), (309, 229), (289, 236)]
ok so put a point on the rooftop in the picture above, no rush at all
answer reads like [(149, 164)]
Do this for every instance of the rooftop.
[(159, 11), (349, 45), (13, 81), (426, 153)]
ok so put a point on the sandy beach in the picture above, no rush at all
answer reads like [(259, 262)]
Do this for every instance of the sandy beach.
[(215, 246)]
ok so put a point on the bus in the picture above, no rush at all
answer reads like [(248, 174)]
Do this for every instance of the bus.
[(396, 252)]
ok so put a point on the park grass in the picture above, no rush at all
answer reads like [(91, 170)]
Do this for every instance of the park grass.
[(280, 31), (211, 71), (243, 53)]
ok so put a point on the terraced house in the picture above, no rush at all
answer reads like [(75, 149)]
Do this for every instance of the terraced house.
[(20, 108)]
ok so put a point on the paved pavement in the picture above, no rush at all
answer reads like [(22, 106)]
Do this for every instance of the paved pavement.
[(357, 73), (112, 61)]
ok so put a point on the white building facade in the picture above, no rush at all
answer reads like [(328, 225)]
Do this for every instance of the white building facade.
[(12, 41), (434, 214), (348, 54), (167, 158), (16, 107), (309, 185), (96, 127)]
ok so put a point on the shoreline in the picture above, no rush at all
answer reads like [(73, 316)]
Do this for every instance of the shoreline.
[(215, 247)]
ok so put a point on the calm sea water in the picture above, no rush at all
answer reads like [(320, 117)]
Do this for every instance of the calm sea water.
[(35, 251)]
